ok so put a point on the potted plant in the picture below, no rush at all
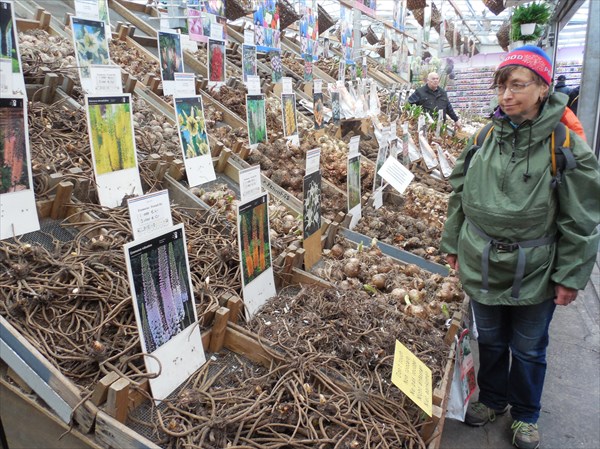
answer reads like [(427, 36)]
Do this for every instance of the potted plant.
[(527, 21)]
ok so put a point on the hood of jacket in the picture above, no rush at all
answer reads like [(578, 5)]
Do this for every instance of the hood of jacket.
[(551, 111)]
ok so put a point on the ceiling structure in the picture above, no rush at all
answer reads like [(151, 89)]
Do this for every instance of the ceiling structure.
[(477, 21)]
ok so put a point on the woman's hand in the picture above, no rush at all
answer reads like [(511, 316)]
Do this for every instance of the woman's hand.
[(452, 260), (564, 295)]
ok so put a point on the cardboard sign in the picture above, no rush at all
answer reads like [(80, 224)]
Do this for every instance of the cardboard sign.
[(413, 378), (250, 183), (313, 158), (185, 84), (396, 174), (106, 80)]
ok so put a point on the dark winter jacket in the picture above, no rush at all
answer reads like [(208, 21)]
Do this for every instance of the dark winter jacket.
[(574, 99), (494, 197), (433, 100), (562, 87)]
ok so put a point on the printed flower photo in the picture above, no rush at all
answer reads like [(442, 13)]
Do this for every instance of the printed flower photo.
[(353, 182), (170, 54), (312, 204), (91, 44), (254, 237), (8, 42), (192, 127), (162, 289), (14, 163), (111, 134), (249, 61), (216, 61), (256, 118), (318, 110), (276, 66), (290, 126)]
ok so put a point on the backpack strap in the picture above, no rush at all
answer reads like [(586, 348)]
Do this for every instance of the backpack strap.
[(561, 156), (480, 137)]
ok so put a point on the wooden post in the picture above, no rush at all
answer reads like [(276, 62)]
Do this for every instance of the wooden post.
[(222, 162), (245, 152), (101, 389), (63, 196), (177, 169), (117, 401), (169, 156), (131, 30), (154, 159), (235, 306), (68, 85), (160, 170), (68, 19), (218, 331), (50, 84), (130, 84)]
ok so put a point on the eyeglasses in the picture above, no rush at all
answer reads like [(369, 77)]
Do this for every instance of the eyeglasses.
[(515, 88)]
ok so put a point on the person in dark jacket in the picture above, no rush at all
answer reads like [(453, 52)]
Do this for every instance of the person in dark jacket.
[(433, 98), (574, 99), (561, 85), (520, 246)]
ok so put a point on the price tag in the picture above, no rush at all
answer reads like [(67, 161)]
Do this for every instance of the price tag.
[(354, 144), (248, 37), (87, 9), (318, 86), (250, 185), (286, 85), (253, 85), (396, 174), (185, 84), (313, 158), (216, 31), (106, 80), (149, 213), (413, 378)]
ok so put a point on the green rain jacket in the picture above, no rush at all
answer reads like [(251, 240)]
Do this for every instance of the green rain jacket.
[(497, 200)]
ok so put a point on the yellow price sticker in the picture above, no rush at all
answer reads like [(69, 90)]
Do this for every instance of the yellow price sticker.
[(413, 378)]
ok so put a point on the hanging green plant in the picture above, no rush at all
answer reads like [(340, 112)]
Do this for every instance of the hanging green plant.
[(532, 13)]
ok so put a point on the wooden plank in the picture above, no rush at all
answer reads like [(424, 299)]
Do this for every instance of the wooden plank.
[(17, 379), (44, 375), (236, 307), (20, 413), (112, 434), (312, 247), (218, 330), (428, 429), (51, 81), (101, 389), (27, 25), (247, 344), (117, 401), (304, 277)]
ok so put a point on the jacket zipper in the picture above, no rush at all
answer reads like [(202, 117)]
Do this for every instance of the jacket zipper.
[(511, 159)]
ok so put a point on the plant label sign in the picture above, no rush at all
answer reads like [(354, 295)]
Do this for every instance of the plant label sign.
[(258, 283), (248, 61), (216, 62), (170, 56), (311, 217), (163, 303), (286, 85), (18, 212), (290, 123), (106, 80), (248, 37), (185, 84), (149, 214), (12, 83), (87, 9), (256, 117), (313, 158), (413, 378), (396, 174), (353, 185), (250, 183), (193, 137), (91, 47), (253, 84), (110, 129)]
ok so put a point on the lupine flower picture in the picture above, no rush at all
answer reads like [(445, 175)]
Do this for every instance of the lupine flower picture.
[(162, 289), (14, 174), (216, 61)]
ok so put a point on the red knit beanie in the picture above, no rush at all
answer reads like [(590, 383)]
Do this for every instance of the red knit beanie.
[(532, 57)]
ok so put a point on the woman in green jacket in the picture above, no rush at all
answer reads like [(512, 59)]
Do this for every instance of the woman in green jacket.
[(522, 239)]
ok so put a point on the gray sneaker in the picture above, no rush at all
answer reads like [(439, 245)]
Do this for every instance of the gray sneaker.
[(479, 414), (525, 435)]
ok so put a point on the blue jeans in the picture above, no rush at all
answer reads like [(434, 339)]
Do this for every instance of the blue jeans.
[(520, 331)]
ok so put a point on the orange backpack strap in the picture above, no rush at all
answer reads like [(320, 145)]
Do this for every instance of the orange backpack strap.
[(561, 156)]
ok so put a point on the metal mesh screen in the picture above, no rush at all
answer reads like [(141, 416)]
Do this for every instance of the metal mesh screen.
[(50, 230)]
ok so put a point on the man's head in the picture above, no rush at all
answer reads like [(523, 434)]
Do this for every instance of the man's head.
[(433, 80), (561, 78)]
